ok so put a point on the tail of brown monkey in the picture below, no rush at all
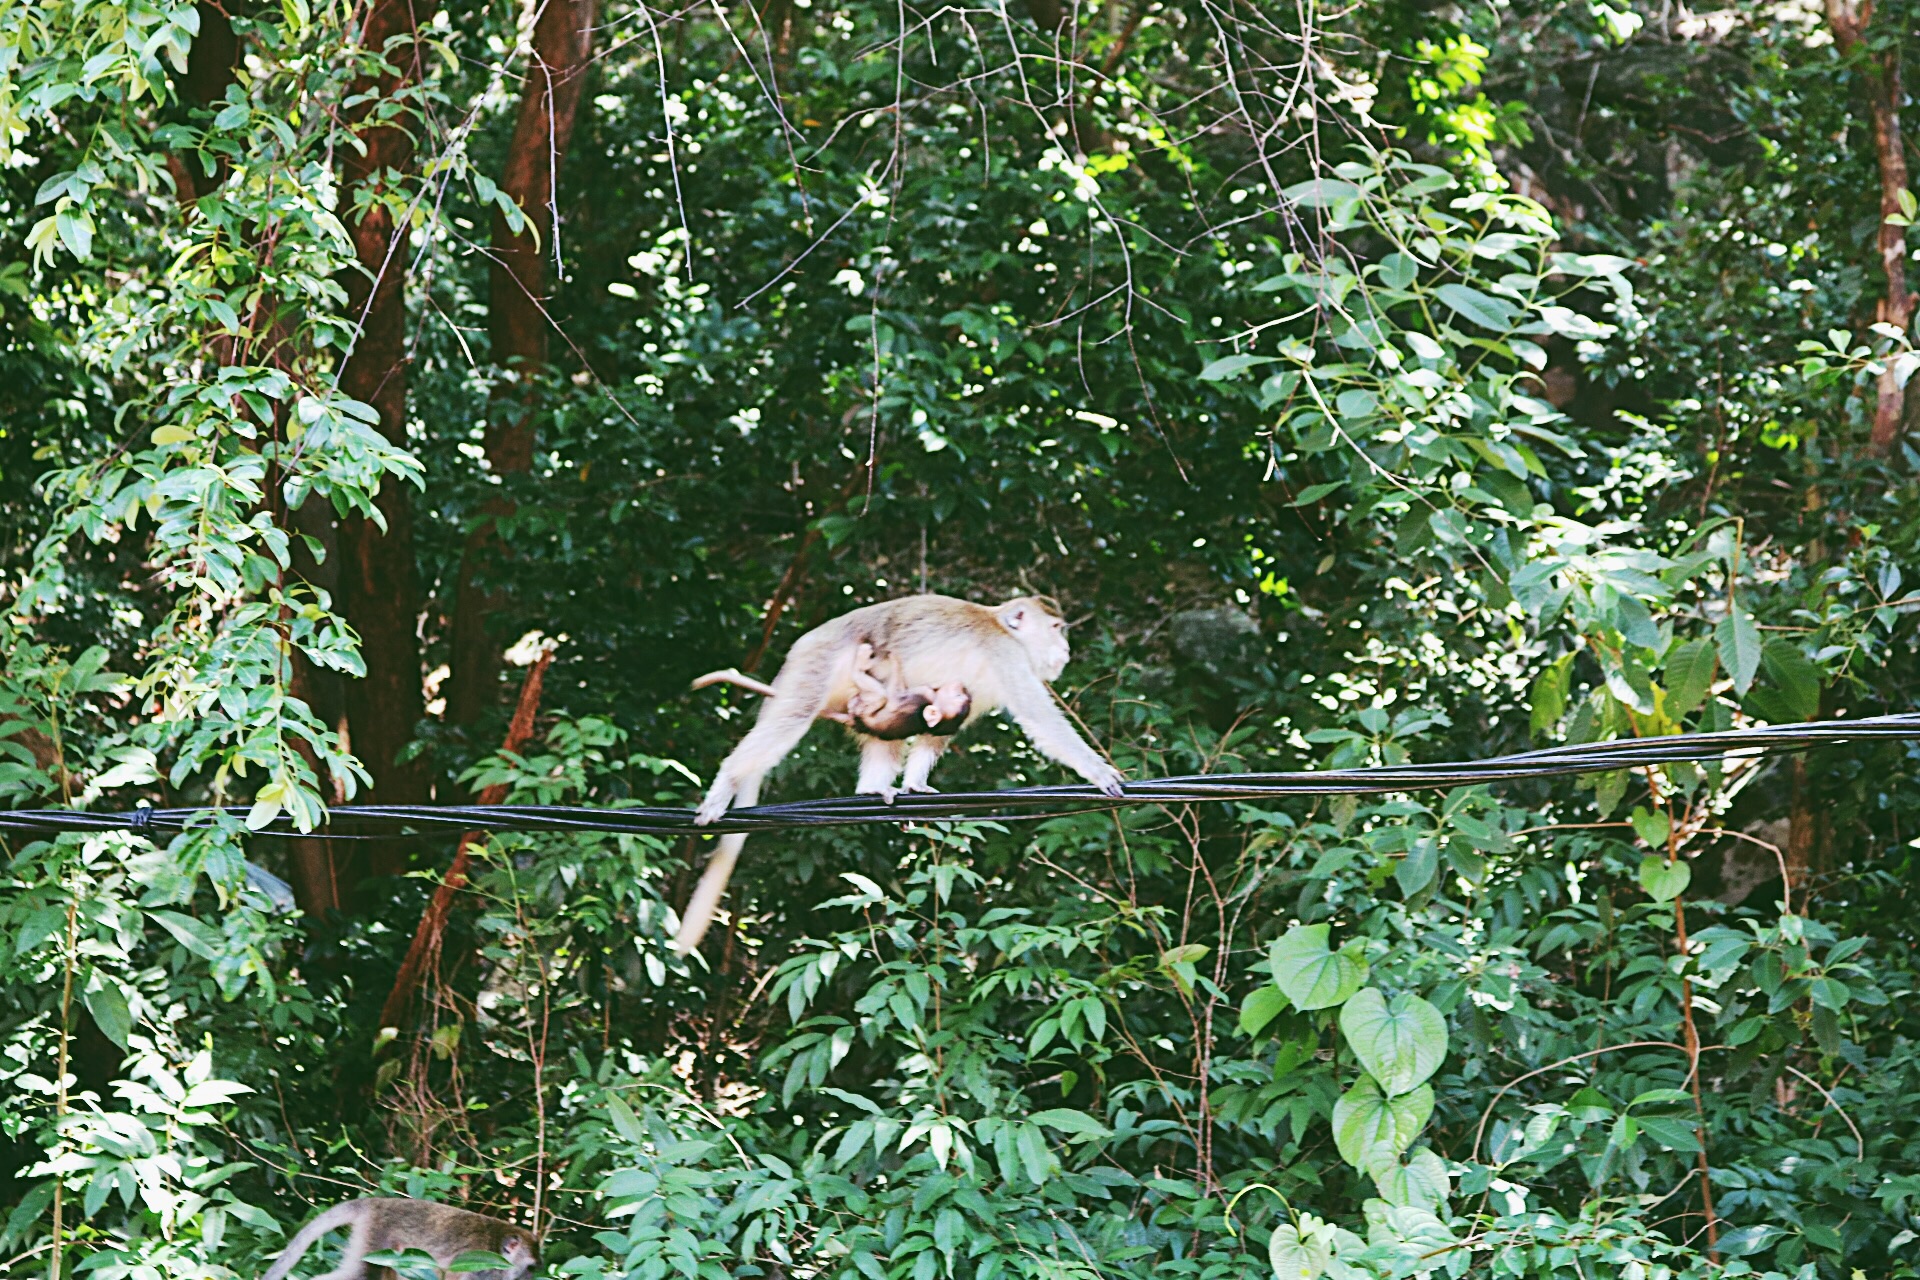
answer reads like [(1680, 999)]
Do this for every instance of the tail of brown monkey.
[(303, 1239)]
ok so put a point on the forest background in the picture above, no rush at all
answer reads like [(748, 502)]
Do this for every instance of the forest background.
[(1393, 382)]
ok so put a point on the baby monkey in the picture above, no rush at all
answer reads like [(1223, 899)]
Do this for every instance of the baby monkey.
[(882, 706), (383, 1224)]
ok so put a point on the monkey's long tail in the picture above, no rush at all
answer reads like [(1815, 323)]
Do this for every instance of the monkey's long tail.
[(730, 676), (705, 901), (303, 1240)]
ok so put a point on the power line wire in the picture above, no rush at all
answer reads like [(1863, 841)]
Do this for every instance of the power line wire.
[(375, 821)]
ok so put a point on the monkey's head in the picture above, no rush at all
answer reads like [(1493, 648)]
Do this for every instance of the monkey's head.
[(1038, 626), (949, 704), (518, 1250)]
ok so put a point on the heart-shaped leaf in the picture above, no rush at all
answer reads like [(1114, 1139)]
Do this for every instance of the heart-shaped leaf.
[(1399, 1043), (1664, 881), (1365, 1119), (1312, 976), (1297, 1257), (1262, 1005), (1421, 1181)]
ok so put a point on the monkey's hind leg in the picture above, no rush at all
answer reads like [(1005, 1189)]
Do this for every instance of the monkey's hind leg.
[(879, 766), (926, 752)]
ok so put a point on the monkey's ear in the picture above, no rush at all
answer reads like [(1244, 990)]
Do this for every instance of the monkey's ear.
[(1015, 616)]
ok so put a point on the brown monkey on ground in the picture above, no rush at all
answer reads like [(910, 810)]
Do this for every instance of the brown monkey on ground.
[(878, 708), (390, 1223), (1004, 657)]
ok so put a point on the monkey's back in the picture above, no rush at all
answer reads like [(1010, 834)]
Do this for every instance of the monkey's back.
[(458, 1230), (940, 640), (933, 640)]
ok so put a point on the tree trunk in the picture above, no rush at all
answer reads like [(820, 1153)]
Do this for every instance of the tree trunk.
[(423, 954), (210, 69), (1880, 73), (379, 589), (518, 325)]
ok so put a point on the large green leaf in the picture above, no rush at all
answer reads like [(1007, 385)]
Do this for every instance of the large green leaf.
[(1664, 881), (1312, 976), (1262, 1005), (1365, 1119), (1480, 308), (1689, 673), (108, 1005), (1297, 1257), (1738, 640), (1422, 1181), (1399, 1043), (1795, 678)]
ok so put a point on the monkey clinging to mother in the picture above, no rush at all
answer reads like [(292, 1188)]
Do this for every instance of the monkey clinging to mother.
[(1003, 656)]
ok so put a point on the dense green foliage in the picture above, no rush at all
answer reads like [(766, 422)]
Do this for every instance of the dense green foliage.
[(1406, 383)]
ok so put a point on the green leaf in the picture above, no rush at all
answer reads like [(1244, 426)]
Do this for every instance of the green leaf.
[(1365, 1118), (1795, 678), (1651, 827), (1229, 367), (1689, 672), (478, 1260), (1319, 193), (1476, 307), (1398, 270), (1416, 871), (1400, 1043), (1829, 992), (1312, 976), (1738, 640), (1609, 789), (1314, 492), (41, 923), (1077, 1124), (1421, 1181), (1664, 881), (1547, 700), (1742, 1241), (625, 1123), (194, 935), (836, 529), (1670, 1132), (108, 1005), (1262, 1005), (1297, 1257)]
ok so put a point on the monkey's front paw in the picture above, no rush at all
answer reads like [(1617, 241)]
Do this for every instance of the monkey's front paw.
[(1110, 783), (712, 807), (921, 789)]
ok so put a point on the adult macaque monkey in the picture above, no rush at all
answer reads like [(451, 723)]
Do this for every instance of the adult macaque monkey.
[(1004, 656), (382, 1223)]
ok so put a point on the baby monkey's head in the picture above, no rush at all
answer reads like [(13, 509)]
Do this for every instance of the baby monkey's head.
[(949, 702)]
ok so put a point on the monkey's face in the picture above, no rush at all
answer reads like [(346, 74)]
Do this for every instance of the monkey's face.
[(518, 1250), (1042, 632), (949, 702)]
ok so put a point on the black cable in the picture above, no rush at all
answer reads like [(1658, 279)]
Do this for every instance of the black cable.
[(374, 821)]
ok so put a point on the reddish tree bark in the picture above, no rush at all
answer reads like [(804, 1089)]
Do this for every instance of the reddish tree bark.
[(424, 951), (517, 322), (1880, 73), (379, 588), (210, 69)]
